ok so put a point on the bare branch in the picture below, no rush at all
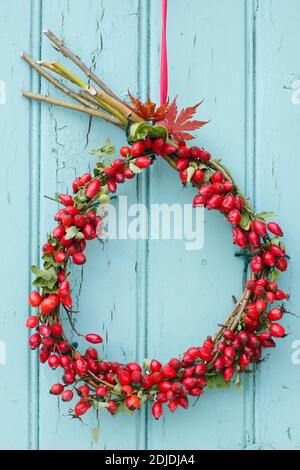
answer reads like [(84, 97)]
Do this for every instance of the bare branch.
[(65, 104), (53, 80), (74, 58)]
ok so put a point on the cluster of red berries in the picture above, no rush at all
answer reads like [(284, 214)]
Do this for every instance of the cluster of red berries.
[(141, 153), (265, 292), (114, 383), (186, 156)]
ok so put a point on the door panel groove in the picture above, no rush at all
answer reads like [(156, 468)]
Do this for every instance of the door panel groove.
[(249, 181), (34, 211), (142, 183)]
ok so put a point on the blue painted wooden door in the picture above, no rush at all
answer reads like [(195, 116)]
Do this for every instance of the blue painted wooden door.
[(151, 298)]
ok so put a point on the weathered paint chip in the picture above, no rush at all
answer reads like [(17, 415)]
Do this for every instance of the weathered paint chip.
[(2, 353), (96, 434), (2, 92)]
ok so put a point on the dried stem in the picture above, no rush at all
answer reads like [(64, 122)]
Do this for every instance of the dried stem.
[(72, 322), (53, 80), (239, 314), (106, 95), (232, 314), (89, 98), (118, 106), (65, 104), (100, 97), (51, 198), (74, 58), (107, 384)]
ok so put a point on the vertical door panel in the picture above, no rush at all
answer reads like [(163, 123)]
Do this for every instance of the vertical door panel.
[(277, 162), (18, 189), (190, 291), (108, 283)]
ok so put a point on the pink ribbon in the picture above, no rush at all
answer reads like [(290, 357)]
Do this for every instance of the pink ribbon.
[(164, 56)]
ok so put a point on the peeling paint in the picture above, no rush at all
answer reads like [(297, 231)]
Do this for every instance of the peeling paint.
[(2, 92), (2, 353)]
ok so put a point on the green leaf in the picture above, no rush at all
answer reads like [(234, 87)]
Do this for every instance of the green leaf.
[(274, 275), (278, 242), (106, 149), (135, 169), (51, 239), (104, 199), (217, 381), (202, 166), (46, 275), (52, 282), (122, 408), (190, 172), (49, 262), (158, 131), (265, 215), (45, 279), (117, 388), (246, 201), (104, 189), (146, 364), (79, 236), (71, 233), (47, 286), (194, 165), (48, 290), (52, 272), (100, 165), (207, 176), (143, 399), (139, 131), (238, 383), (39, 282), (245, 222)]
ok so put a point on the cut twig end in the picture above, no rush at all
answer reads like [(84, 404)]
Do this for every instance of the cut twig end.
[(45, 31)]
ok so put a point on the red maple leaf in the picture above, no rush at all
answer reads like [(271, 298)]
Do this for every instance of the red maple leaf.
[(178, 124), (148, 110)]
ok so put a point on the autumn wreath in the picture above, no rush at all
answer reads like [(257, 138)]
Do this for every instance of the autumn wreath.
[(251, 326)]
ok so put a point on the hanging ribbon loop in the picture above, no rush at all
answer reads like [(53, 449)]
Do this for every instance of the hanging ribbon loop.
[(164, 56)]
